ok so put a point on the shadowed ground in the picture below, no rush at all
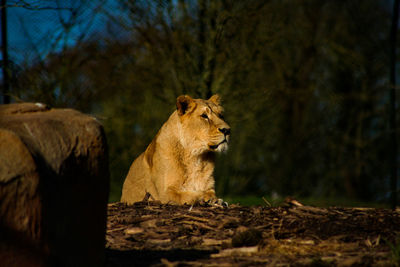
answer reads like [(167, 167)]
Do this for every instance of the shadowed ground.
[(150, 233)]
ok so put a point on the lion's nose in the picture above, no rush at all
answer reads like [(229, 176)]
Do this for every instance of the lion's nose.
[(225, 131)]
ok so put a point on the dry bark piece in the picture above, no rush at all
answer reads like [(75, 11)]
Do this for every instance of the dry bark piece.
[(248, 238)]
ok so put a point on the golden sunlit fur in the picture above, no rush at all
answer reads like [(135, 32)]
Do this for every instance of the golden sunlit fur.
[(178, 164)]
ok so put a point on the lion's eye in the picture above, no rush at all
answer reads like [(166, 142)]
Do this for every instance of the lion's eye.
[(221, 116), (204, 115)]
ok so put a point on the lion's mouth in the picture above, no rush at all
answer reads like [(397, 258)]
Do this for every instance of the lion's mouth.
[(217, 145)]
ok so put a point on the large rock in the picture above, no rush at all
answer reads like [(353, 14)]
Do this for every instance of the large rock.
[(54, 183)]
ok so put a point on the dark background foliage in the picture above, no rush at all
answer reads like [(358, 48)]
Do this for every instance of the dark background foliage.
[(304, 83)]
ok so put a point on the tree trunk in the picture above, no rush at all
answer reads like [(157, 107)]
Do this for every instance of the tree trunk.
[(392, 112)]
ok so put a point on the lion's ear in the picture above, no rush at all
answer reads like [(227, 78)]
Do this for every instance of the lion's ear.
[(216, 99), (184, 104)]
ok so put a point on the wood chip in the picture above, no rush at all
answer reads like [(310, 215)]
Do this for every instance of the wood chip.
[(244, 251), (134, 230)]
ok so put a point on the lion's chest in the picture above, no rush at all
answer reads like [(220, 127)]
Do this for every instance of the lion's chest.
[(198, 177)]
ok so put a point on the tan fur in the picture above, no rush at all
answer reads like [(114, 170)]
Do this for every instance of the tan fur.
[(178, 164)]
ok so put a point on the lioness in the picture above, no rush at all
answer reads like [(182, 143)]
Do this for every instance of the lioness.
[(178, 164)]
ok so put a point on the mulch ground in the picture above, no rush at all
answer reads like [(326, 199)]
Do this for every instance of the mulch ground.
[(154, 234)]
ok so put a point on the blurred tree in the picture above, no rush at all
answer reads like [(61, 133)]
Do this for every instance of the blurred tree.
[(302, 83), (392, 106)]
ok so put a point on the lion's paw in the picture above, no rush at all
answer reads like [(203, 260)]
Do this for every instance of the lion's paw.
[(219, 202)]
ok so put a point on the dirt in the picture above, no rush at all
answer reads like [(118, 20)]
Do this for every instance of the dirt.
[(149, 233)]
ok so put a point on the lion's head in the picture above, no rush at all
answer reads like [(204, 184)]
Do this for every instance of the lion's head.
[(203, 126)]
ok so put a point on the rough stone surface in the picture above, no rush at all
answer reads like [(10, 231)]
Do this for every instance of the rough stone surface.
[(54, 183)]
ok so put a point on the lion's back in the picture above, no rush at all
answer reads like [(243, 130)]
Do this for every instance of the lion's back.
[(134, 188)]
